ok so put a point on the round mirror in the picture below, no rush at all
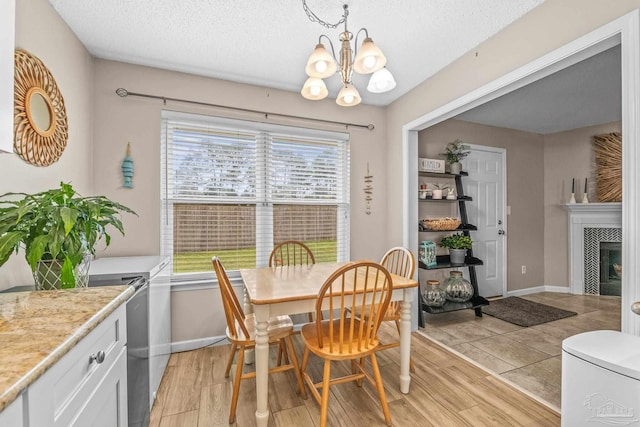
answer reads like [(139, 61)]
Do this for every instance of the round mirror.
[(39, 111), (40, 125)]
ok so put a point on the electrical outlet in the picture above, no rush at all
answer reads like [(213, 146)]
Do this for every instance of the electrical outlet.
[(524, 269)]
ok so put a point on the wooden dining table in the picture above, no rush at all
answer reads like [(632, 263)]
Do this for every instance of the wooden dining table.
[(273, 291)]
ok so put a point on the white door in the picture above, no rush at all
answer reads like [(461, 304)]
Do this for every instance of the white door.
[(486, 185)]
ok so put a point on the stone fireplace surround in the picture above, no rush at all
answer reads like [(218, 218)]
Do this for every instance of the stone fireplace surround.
[(590, 224)]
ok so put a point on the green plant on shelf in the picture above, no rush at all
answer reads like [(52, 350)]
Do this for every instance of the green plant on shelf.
[(455, 151), (456, 241)]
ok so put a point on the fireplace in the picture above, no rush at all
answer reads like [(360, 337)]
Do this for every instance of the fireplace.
[(610, 268), (592, 225)]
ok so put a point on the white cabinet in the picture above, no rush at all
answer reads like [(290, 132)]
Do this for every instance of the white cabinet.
[(12, 414), (88, 385), (7, 46)]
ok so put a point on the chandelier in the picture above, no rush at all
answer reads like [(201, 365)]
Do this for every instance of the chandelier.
[(366, 60)]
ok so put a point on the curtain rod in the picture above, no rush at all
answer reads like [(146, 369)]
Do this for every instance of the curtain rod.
[(124, 93)]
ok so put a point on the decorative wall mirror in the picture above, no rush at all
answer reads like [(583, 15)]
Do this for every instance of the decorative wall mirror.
[(40, 118)]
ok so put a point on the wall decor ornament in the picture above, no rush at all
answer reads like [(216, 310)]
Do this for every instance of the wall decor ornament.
[(127, 168), (368, 191), (40, 118), (608, 155)]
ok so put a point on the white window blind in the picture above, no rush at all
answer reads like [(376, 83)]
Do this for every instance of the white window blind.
[(235, 189)]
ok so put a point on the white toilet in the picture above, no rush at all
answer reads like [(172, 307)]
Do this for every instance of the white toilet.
[(601, 379)]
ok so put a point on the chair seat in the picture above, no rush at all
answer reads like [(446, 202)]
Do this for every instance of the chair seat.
[(309, 334), (278, 328), (392, 313)]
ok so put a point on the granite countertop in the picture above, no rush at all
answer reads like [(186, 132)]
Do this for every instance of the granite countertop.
[(38, 328)]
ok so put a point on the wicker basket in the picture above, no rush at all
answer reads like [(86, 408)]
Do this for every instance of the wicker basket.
[(440, 223)]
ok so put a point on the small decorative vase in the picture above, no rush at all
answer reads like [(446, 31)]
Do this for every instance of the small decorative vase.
[(433, 295), (456, 256), (455, 168), (436, 194), (457, 288)]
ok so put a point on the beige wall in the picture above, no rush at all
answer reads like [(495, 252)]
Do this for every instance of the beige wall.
[(40, 31), (567, 155), (549, 26), (138, 120), (525, 190)]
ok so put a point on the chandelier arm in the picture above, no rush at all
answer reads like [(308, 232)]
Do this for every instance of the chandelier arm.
[(333, 52), (355, 40), (314, 18)]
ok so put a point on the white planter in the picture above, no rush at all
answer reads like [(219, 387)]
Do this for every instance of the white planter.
[(455, 168), (456, 256), (436, 194)]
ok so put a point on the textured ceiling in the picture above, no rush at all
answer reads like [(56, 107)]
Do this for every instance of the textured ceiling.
[(584, 94), (268, 42)]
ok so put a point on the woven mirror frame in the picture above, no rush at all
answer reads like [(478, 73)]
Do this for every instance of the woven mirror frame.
[(40, 118)]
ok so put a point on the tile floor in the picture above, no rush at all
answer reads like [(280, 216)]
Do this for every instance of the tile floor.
[(528, 357)]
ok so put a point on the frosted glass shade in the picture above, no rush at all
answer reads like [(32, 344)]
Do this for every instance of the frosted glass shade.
[(321, 64), (348, 96), (381, 81), (314, 89), (369, 58)]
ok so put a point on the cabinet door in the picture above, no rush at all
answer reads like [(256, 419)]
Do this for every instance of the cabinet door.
[(12, 414), (106, 406), (7, 46)]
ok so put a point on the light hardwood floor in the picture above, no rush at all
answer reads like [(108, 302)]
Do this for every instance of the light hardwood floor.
[(446, 390), (529, 357)]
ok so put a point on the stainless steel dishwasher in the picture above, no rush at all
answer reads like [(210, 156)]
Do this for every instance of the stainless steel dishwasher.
[(138, 353), (148, 325)]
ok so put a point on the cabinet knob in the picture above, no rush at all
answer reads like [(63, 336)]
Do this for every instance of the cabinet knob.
[(501, 232), (635, 307), (98, 358)]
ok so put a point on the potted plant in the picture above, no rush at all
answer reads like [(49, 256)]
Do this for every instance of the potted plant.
[(457, 244), (58, 230), (436, 193), (455, 152)]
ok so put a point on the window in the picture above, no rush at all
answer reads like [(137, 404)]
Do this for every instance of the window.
[(235, 189)]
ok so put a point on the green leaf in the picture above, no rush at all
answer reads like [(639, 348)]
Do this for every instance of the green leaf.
[(36, 250), (69, 217), (67, 277), (9, 242)]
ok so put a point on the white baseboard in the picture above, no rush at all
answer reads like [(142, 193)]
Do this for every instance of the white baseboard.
[(188, 345), (558, 289)]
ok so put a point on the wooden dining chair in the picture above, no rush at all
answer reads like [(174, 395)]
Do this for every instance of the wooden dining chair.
[(399, 261), (241, 334), (291, 252), (367, 287)]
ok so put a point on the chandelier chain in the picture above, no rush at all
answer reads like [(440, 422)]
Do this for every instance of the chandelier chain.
[(314, 18)]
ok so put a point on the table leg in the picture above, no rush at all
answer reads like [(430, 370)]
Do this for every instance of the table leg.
[(405, 339), (248, 308), (262, 365)]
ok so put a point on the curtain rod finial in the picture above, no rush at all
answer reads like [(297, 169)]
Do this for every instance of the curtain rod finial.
[(122, 92)]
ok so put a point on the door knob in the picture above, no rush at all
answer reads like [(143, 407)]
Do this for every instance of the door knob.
[(501, 232), (635, 307)]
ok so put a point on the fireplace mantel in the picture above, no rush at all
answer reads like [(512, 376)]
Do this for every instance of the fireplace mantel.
[(582, 216)]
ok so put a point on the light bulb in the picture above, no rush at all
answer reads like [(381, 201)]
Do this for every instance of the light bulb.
[(315, 90), (321, 66), (369, 62), (348, 98)]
